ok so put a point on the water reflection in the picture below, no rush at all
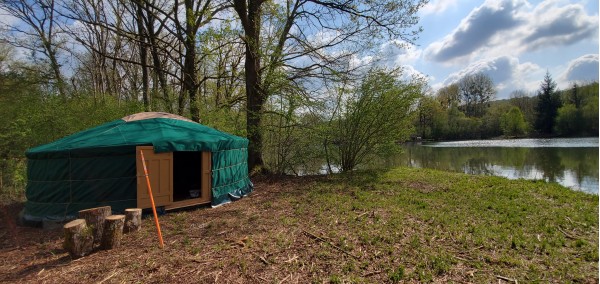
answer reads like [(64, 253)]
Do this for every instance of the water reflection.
[(575, 167)]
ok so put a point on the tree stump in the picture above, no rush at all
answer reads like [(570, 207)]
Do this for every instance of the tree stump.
[(113, 231), (133, 220), (94, 217), (79, 239)]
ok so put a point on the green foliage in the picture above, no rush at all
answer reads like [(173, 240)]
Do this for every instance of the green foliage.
[(397, 275), (513, 122), (38, 117), (377, 114), (590, 116), (431, 118), (547, 107), (491, 122), (476, 91), (542, 113), (568, 120)]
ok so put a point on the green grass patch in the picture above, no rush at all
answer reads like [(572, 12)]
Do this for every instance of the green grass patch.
[(432, 225)]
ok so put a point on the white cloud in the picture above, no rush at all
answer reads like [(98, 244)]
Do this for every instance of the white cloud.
[(584, 68), (507, 73), (497, 26), (437, 6), (477, 30)]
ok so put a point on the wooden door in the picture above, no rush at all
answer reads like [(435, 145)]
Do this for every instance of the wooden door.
[(160, 172), (206, 177)]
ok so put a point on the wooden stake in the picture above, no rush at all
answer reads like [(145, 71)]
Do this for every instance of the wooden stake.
[(160, 238)]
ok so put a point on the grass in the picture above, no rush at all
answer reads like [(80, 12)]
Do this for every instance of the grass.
[(398, 226)]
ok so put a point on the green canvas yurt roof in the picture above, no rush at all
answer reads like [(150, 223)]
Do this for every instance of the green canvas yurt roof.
[(97, 167), (166, 132)]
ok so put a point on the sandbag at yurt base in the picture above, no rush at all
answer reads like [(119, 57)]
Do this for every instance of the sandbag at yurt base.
[(188, 163)]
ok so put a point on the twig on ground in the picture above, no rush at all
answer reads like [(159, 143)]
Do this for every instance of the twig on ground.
[(507, 279), (329, 243), (265, 261), (361, 214), (285, 278), (460, 258), (372, 273), (109, 277), (291, 259), (567, 234)]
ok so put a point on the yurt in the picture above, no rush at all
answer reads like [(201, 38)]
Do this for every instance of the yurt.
[(188, 164)]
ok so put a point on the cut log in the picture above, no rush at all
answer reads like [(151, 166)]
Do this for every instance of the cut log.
[(113, 231), (94, 217), (133, 220), (79, 239)]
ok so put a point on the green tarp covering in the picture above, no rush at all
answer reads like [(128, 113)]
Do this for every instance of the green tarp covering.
[(97, 167)]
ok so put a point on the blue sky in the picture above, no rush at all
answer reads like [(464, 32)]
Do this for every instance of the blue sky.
[(513, 41)]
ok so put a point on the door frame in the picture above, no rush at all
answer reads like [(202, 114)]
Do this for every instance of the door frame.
[(205, 176)]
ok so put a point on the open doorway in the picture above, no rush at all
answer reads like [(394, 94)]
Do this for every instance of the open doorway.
[(178, 179), (189, 178)]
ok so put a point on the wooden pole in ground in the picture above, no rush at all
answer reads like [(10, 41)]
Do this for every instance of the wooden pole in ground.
[(160, 238), (113, 231), (79, 238), (133, 220), (94, 218)]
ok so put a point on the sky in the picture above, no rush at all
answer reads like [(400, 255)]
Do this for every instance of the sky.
[(515, 42)]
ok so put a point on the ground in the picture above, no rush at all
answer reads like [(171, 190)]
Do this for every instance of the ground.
[(397, 226)]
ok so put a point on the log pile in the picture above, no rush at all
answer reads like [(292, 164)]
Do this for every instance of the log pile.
[(96, 226)]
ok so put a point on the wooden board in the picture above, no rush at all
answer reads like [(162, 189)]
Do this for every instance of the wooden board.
[(160, 171), (206, 178)]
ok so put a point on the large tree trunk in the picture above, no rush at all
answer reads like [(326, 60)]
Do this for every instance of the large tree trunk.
[(143, 55), (255, 97), (190, 73)]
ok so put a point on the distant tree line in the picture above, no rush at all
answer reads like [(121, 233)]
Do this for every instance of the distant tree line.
[(466, 110)]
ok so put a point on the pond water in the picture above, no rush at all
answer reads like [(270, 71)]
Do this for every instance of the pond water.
[(572, 162)]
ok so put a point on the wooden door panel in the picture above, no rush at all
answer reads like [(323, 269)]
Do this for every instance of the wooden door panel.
[(160, 172), (206, 177)]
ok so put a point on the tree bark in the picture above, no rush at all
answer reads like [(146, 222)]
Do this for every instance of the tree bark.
[(94, 217), (250, 14), (79, 240), (142, 35), (113, 231), (133, 220)]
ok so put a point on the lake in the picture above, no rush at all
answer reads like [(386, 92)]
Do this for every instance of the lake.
[(572, 162)]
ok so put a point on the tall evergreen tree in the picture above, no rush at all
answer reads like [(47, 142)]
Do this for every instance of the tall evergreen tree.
[(547, 107)]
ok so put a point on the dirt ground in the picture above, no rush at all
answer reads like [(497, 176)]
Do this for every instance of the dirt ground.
[(278, 234), (241, 242)]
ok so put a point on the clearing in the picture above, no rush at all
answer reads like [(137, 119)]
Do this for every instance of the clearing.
[(402, 225)]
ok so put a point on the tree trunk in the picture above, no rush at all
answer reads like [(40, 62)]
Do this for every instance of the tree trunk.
[(133, 220), (143, 55), (250, 13), (94, 217), (113, 231), (79, 240)]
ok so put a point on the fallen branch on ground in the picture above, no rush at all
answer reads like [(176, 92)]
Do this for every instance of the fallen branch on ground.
[(329, 243), (507, 279)]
